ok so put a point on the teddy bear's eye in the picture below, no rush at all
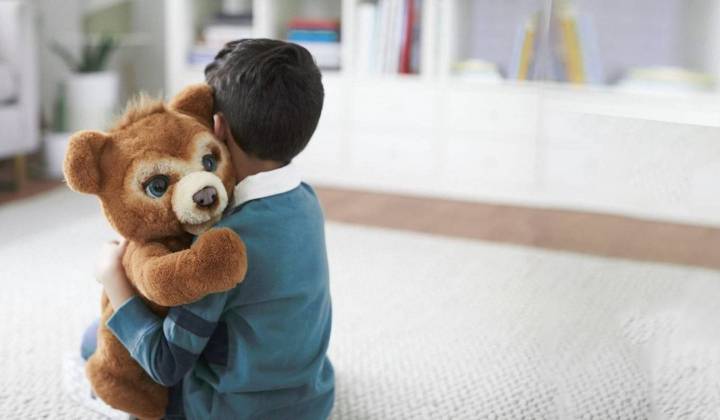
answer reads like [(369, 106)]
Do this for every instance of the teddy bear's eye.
[(209, 163), (157, 186)]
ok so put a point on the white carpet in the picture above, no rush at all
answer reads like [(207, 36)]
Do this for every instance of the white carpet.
[(425, 327)]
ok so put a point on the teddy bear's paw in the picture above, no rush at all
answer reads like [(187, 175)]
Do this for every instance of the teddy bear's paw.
[(222, 258)]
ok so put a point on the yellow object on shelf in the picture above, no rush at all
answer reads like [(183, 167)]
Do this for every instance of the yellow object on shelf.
[(666, 79), (478, 70), (528, 49), (571, 47)]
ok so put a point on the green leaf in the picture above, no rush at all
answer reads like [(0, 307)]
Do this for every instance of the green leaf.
[(93, 58), (65, 55)]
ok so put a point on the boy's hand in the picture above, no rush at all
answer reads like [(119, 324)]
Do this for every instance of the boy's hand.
[(110, 273)]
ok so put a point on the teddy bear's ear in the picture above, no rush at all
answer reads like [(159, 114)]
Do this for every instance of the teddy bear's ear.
[(195, 101), (82, 161)]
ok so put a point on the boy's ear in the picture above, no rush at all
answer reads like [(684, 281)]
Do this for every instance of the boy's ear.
[(82, 161), (195, 101)]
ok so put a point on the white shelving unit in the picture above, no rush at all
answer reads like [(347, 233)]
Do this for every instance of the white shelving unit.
[(540, 144)]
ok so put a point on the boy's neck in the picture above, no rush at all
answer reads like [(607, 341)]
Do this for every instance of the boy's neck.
[(246, 165)]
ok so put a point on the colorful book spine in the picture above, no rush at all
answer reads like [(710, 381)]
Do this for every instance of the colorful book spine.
[(407, 37), (315, 24), (524, 51), (415, 42), (388, 36), (321, 37), (365, 32), (590, 48), (304, 35), (572, 51), (527, 52)]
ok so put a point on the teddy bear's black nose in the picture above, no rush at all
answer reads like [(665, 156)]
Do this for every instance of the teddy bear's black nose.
[(206, 197)]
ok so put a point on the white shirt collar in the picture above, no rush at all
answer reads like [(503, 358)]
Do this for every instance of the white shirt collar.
[(265, 184)]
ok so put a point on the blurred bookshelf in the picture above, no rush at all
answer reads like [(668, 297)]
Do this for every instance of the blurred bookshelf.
[(644, 46), (452, 98)]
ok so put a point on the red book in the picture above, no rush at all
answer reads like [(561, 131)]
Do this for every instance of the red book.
[(407, 37), (317, 24)]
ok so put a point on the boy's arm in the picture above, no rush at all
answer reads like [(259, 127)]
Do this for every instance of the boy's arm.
[(167, 348)]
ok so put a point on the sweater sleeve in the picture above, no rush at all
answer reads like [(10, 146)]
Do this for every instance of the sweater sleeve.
[(167, 348)]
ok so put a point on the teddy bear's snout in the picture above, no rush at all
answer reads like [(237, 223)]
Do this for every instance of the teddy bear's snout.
[(198, 200), (206, 197)]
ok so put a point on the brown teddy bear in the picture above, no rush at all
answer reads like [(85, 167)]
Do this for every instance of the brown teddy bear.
[(161, 176)]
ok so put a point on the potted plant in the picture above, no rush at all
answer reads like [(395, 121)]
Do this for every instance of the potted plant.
[(86, 99), (91, 91), (56, 137)]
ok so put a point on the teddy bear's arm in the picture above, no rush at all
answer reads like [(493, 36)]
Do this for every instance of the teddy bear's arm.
[(214, 263)]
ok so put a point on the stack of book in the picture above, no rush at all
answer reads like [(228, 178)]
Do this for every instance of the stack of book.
[(321, 37), (388, 36), (477, 70), (222, 29), (666, 79)]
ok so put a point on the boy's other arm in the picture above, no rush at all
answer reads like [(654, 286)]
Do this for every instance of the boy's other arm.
[(167, 348)]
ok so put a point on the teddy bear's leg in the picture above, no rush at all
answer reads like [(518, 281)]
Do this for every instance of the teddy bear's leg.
[(119, 381)]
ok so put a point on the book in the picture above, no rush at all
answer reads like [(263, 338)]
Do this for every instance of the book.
[(590, 50), (201, 55), (524, 51), (236, 6), (220, 34), (391, 37), (224, 27), (571, 47), (415, 39), (477, 70), (321, 37), (233, 19), (304, 35), (315, 24), (407, 37), (365, 29), (381, 44), (326, 54), (388, 36), (666, 79)]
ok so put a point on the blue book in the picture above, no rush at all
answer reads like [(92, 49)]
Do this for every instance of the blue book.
[(302, 35), (592, 59)]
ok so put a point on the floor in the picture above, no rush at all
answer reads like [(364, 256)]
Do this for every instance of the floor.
[(424, 326), (35, 185), (590, 233)]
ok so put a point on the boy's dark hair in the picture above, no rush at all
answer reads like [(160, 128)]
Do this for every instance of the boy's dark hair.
[(270, 93)]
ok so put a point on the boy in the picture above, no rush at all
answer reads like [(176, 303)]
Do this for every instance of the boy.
[(258, 350)]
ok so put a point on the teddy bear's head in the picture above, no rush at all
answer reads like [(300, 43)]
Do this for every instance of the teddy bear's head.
[(159, 172)]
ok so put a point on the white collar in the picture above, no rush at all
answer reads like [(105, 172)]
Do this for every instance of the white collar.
[(265, 184)]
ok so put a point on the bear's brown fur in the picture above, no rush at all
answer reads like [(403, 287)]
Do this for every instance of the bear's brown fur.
[(154, 140)]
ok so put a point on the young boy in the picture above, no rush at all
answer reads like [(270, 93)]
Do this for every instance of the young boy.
[(257, 351)]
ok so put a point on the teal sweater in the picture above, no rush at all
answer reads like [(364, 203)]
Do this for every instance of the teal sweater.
[(257, 351)]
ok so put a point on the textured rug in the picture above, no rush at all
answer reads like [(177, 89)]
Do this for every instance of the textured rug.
[(425, 327)]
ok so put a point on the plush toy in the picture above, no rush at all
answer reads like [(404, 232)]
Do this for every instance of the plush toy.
[(161, 177)]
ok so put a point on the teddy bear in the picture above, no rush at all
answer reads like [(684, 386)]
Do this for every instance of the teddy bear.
[(161, 177)]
